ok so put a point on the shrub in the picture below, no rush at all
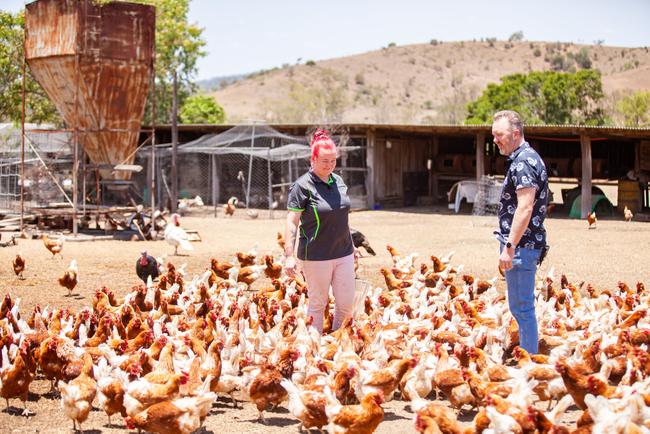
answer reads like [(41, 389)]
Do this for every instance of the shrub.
[(559, 63), (582, 58), (517, 36)]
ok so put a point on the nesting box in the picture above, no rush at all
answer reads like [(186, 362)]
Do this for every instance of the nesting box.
[(469, 164), (449, 163)]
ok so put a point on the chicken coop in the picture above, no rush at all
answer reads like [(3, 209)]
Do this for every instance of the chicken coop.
[(44, 189), (48, 169), (254, 163)]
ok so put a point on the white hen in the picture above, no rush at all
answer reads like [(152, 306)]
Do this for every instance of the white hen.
[(176, 236)]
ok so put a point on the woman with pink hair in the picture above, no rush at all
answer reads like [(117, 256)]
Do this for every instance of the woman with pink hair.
[(319, 203)]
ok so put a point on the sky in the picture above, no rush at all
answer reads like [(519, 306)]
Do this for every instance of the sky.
[(248, 35)]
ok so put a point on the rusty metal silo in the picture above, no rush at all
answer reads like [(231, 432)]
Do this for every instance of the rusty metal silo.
[(95, 63)]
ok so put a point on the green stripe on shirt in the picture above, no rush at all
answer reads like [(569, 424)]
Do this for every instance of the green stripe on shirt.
[(317, 223), (295, 209)]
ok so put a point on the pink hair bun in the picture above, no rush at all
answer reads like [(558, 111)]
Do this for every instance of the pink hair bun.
[(320, 135)]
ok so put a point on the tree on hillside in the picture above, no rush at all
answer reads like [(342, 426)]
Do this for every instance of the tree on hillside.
[(202, 109), (516, 37), (179, 45), (635, 109), (38, 107), (582, 58), (547, 97), (322, 101)]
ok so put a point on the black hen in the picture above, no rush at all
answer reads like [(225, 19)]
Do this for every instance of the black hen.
[(147, 266), (360, 240)]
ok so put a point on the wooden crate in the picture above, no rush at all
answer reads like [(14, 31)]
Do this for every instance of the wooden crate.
[(629, 194)]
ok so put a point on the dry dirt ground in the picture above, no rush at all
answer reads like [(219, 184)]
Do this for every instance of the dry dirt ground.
[(615, 250)]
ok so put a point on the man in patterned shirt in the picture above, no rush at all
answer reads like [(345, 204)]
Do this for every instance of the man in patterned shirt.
[(522, 209)]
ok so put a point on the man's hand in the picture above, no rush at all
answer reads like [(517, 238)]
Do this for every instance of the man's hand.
[(505, 260), (290, 266)]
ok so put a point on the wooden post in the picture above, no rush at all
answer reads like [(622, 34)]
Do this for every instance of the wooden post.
[(585, 204), (152, 167), (213, 176), (217, 179), (149, 173), (434, 177), (480, 155), (174, 189), (250, 168), (370, 173), (270, 180), (75, 140), (83, 182), (344, 166), (22, 155)]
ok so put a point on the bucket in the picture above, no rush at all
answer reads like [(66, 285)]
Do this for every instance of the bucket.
[(361, 289)]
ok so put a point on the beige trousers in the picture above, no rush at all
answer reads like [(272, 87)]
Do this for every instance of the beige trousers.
[(320, 276)]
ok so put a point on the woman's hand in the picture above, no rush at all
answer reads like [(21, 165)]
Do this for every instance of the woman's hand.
[(290, 266), (291, 229)]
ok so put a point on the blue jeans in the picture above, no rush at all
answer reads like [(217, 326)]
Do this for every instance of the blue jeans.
[(521, 298)]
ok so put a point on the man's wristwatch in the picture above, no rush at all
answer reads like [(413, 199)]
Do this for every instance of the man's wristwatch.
[(508, 245)]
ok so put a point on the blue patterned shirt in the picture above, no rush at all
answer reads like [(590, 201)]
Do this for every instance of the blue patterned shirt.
[(525, 168)]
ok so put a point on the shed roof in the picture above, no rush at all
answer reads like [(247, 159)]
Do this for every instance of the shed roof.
[(445, 129)]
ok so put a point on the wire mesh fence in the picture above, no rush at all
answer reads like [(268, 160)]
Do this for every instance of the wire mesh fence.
[(253, 163), (487, 197), (48, 169)]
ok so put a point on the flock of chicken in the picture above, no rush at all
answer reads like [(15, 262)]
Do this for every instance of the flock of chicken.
[(160, 356), (67, 280), (628, 215), (174, 235)]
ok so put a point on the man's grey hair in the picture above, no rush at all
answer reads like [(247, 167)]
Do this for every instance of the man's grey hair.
[(514, 119)]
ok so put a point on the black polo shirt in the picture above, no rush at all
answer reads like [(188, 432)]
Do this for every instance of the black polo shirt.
[(324, 229)]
